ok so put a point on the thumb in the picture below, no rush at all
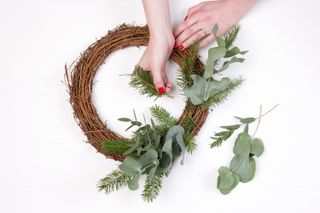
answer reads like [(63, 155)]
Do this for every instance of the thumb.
[(157, 80)]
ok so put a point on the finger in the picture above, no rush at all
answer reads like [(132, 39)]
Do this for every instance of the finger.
[(195, 37), (157, 80), (143, 62), (194, 9), (185, 24), (187, 33), (166, 81), (206, 41)]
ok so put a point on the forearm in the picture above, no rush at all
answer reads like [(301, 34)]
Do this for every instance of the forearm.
[(158, 16)]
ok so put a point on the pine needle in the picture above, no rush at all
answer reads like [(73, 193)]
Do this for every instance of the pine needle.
[(142, 81), (231, 36), (114, 181), (162, 116), (187, 68), (152, 188), (222, 96), (115, 146)]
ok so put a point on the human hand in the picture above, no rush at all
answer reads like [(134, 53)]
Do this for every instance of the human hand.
[(155, 58), (202, 17)]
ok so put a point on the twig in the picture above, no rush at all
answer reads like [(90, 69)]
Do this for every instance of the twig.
[(260, 112)]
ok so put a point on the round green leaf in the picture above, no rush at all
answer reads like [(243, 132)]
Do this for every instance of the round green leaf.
[(245, 167), (225, 179), (148, 158), (131, 166), (257, 147), (133, 184), (236, 181), (242, 145)]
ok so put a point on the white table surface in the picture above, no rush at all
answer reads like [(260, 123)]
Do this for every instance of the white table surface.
[(47, 167)]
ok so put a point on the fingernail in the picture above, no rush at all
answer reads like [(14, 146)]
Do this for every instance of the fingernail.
[(161, 90), (180, 47), (185, 18)]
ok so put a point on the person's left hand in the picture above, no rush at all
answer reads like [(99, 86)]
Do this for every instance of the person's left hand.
[(202, 17)]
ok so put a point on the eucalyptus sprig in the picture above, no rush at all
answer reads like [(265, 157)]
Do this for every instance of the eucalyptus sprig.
[(243, 165), (207, 91)]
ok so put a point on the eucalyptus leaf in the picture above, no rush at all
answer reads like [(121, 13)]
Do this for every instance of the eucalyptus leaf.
[(148, 158), (131, 166), (176, 133), (257, 147), (245, 167), (220, 41), (152, 172), (231, 127), (133, 184), (167, 147), (214, 54), (246, 120), (226, 179), (242, 145), (236, 181), (124, 119), (215, 29), (232, 52), (165, 164), (202, 90), (227, 63)]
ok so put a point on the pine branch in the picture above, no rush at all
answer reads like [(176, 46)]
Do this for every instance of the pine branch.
[(222, 96), (162, 116), (114, 181), (231, 36), (115, 146), (190, 143), (142, 81), (152, 188), (187, 68)]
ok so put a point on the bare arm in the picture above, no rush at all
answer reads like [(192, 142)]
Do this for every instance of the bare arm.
[(161, 42)]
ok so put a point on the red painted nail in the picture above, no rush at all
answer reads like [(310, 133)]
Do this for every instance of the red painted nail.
[(161, 90), (180, 47), (185, 18)]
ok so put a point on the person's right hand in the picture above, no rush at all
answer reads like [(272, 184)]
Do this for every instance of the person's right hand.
[(155, 59)]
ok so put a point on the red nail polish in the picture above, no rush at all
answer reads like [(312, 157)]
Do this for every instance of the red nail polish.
[(180, 47), (185, 18), (161, 90)]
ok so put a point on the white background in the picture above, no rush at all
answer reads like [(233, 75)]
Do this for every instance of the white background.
[(45, 165)]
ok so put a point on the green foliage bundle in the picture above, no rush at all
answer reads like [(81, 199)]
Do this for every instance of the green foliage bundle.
[(152, 151)]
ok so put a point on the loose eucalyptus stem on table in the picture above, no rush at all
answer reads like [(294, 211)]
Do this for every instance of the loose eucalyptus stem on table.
[(243, 165)]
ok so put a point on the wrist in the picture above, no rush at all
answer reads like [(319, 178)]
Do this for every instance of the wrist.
[(242, 6)]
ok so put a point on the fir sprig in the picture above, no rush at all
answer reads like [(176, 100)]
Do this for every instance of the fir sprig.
[(142, 80), (188, 124), (152, 187), (114, 181), (188, 67), (115, 146), (231, 36), (162, 116)]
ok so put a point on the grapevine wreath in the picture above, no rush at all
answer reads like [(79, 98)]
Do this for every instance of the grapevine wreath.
[(155, 146)]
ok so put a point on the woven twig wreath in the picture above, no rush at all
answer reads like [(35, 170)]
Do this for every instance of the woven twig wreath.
[(79, 80)]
